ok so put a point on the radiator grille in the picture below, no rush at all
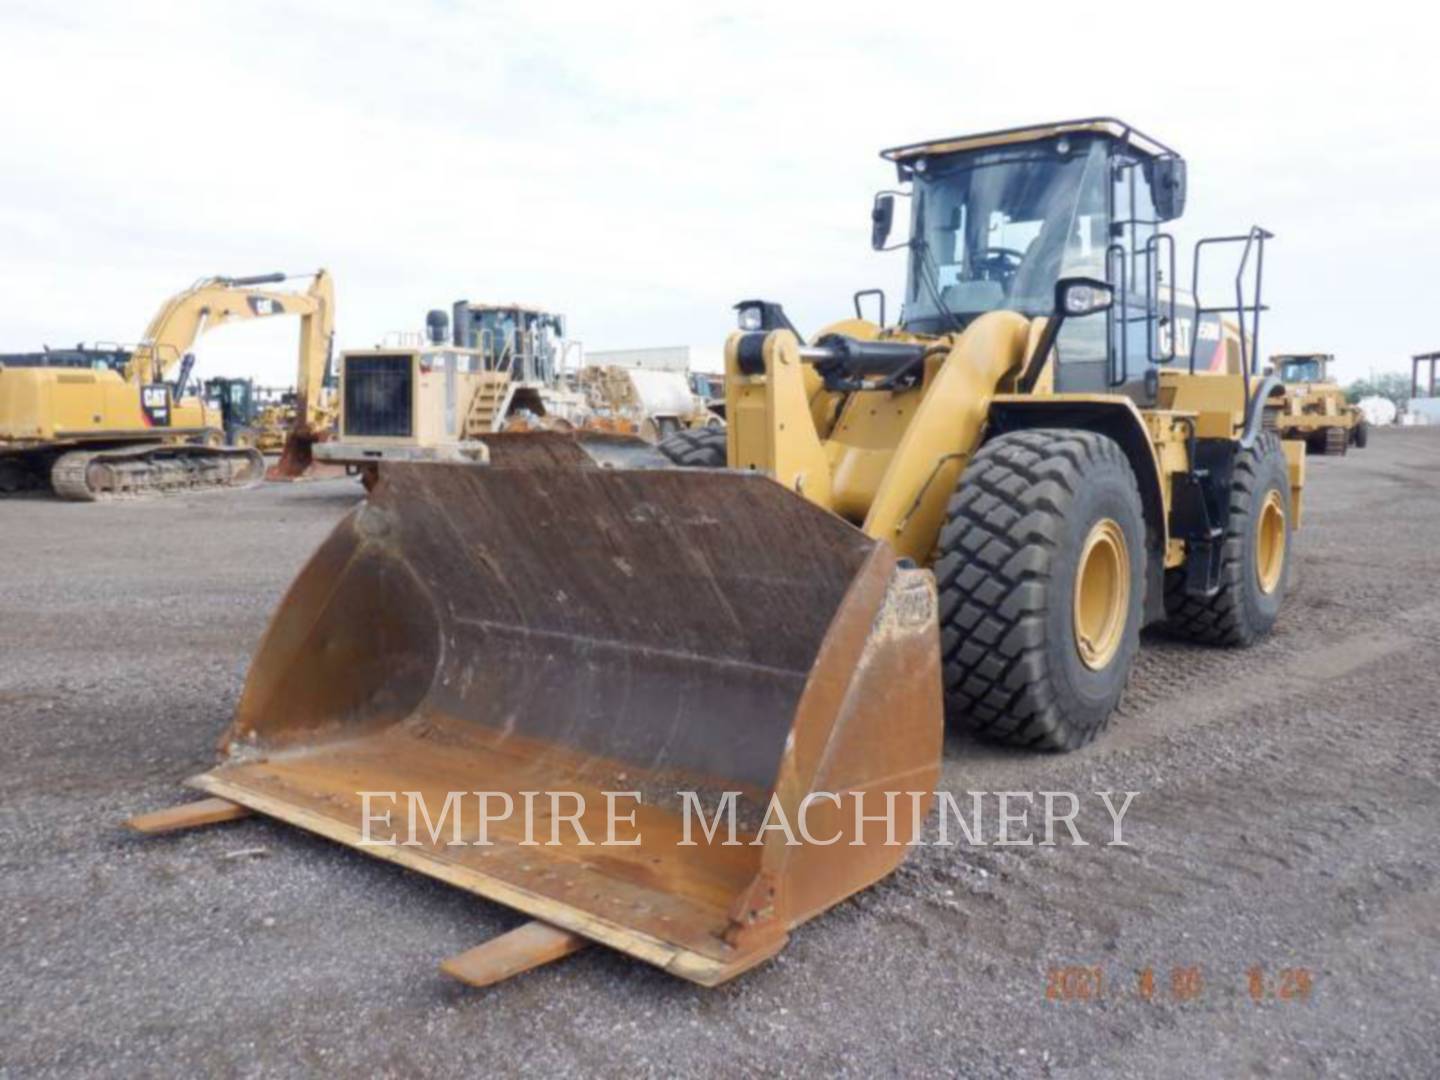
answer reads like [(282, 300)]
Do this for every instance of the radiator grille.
[(378, 392)]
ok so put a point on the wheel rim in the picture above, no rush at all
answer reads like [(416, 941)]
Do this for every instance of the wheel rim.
[(1270, 543), (1102, 594)]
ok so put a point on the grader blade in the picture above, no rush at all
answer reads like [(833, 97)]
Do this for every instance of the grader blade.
[(613, 652)]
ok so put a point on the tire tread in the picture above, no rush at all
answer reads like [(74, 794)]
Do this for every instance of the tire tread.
[(994, 559)]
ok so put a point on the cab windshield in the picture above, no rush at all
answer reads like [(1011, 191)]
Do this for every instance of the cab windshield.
[(996, 228), (1300, 369)]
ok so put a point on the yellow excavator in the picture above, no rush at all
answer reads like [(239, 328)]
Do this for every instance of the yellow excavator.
[(98, 423), (967, 514)]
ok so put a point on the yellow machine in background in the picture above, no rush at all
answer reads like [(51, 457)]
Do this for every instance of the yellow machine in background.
[(92, 423), (971, 512), (653, 404), (434, 399), (263, 416), (1315, 408), (278, 420)]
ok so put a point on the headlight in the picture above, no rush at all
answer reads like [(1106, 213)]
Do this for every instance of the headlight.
[(751, 318), (1085, 297)]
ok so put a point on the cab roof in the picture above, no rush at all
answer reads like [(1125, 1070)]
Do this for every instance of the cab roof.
[(528, 309), (1100, 125)]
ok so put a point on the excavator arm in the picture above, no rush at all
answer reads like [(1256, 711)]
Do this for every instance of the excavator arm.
[(317, 335), (215, 301)]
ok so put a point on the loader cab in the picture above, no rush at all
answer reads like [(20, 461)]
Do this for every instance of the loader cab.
[(521, 341), (997, 219)]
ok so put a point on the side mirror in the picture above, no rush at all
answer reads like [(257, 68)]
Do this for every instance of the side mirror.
[(882, 216), (1079, 296), (1167, 187)]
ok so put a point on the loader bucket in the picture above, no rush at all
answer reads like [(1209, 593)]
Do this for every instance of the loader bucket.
[(699, 640)]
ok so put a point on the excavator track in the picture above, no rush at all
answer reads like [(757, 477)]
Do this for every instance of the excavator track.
[(153, 469)]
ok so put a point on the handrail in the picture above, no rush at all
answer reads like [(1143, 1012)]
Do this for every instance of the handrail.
[(1254, 240)]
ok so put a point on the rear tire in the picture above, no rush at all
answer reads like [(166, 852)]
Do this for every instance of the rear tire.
[(1337, 441), (1021, 664), (1252, 582), (695, 448)]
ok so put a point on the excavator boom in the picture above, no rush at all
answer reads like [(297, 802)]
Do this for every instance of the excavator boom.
[(214, 301)]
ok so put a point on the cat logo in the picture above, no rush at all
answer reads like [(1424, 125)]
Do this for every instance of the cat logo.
[(155, 404)]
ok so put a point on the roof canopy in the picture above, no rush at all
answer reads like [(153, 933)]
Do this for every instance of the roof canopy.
[(1102, 125)]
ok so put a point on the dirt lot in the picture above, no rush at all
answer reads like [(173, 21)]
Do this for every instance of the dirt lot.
[(1283, 841)]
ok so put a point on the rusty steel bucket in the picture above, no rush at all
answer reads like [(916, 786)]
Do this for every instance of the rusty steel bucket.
[(297, 458), (544, 624)]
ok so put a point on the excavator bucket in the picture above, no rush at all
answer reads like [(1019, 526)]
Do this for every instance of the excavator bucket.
[(297, 460), (636, 660)]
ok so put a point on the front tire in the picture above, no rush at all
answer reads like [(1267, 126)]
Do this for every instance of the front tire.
[(1040, 568), (1254, 562), (1362, 435), (695, 448)]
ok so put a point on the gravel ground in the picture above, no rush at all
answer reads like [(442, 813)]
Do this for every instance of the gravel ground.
[(1284, 840)]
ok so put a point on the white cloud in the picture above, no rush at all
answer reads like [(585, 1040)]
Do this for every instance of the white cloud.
[(640, 167)]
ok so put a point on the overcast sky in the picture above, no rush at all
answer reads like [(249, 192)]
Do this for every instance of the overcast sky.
[(642, 167)]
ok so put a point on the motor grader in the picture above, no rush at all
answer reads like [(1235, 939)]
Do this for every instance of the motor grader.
[(969, 513), (1313, 408)]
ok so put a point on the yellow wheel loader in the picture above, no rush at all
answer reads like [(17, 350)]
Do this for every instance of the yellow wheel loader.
[(98, 423), (1314, 408), (972, 512)]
